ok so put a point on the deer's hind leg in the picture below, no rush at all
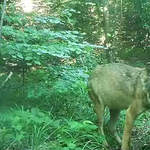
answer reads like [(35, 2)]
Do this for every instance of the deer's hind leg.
[(114, 116), (99, 108)]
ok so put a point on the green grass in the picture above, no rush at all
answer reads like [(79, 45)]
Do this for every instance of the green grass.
[(34, 129)]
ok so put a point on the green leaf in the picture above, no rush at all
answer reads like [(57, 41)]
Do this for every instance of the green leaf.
[(37, 62), (108, 34), (87, 122), (16, 119), (14, 56), (41, 114), (17, 127), (19, 136), (71, 145), (29, 64), (78, 52), (29, 58), (20, 55), (56, 123), (89, 127), (75, 125)]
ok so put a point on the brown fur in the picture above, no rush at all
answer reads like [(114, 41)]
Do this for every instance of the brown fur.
[(119, 86)]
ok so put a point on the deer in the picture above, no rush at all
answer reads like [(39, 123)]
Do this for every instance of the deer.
[(119, 87)]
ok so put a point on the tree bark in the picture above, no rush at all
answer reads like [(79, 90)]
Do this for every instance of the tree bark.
[(2, 18), (106, 27)]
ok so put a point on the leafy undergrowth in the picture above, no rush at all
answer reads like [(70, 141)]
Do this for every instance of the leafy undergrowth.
[(35, 129), (141, 132), (38, 130)]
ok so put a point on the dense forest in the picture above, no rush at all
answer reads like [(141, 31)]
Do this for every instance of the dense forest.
[(48, 49)]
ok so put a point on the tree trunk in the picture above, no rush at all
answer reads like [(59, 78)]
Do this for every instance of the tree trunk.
[(2, 17), (106, 27)]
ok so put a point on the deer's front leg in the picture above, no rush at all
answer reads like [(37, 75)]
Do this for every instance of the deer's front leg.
[(132, 112)]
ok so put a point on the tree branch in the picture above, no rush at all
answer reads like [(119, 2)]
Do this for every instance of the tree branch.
[(3, 84)]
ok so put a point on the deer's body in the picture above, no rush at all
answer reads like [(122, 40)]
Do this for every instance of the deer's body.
[(119, 86)]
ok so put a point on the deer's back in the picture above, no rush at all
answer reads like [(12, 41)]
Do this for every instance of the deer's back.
[(115, 85)]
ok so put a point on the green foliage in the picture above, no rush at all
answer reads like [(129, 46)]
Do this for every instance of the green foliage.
[(135, 55), (34, 129), (27, 126), (22, 45), (47, 51), (84, 17), (62, 89)]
